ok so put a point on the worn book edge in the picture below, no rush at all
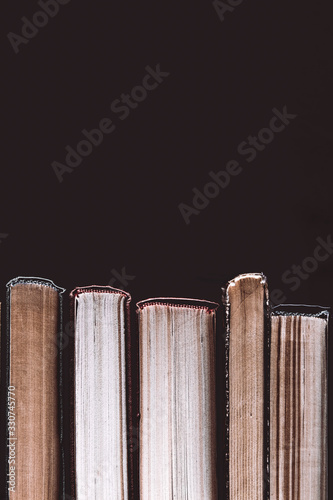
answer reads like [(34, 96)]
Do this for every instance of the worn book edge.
[(301, 310), (314, 311), (226, 313), (31, 280), (178, 302), (206, 307), (129, 397)]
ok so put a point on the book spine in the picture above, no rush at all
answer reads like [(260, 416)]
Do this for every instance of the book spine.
[(35, 457), (247, 341)]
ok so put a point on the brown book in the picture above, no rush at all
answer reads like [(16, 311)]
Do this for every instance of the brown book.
[(298, 408), (101, 433), (34, 433), (177, 399), (246, 302)]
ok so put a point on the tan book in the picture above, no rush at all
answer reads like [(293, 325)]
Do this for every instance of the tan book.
[(177, 399), (33, 434), (298, 407), (246, 302)]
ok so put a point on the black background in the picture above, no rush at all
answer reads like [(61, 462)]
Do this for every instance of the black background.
[(119, 207)]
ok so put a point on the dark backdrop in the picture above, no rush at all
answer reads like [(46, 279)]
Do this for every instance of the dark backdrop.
[(225, 69)]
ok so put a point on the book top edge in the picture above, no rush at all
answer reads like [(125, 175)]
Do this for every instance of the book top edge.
[(98, 289), (260, 277), (31, 280), (240, 277), (313, 311), (178, 302)]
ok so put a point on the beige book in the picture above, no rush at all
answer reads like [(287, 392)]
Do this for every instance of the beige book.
[(33, 435), (101, 433), (298, 408), (246, 304), (177, 399)]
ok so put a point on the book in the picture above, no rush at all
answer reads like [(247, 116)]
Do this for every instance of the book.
[(101, 412), (34, 439), (298, 405), (177, 399), (246, 308)]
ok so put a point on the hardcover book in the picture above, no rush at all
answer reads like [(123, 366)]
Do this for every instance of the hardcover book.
[(102, 458), (34, 432), (246, 306), (177, 399), (298, 409)]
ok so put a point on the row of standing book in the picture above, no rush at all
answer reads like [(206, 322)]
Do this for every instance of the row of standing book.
[(274, 425)]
